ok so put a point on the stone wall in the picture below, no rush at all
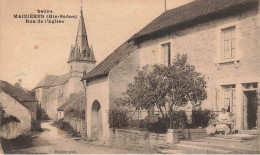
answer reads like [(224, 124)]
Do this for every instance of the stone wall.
[(33, 106), (202, 45), (14, 108), (137, 139), (121, 75), (147, 140)]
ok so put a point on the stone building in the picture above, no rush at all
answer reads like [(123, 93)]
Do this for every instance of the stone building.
[(53, 91), (19, 103), (220, 38)]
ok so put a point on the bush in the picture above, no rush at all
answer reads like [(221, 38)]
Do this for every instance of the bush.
[(36, 125), (200, 118), (159, 126), (21, 142), (118, 118), (178, 120), (64, 126), (41, 114)]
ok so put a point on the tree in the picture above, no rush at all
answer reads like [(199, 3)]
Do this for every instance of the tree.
[(166, 87)]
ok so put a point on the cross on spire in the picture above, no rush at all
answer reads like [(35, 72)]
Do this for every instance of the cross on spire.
[(81, 4)]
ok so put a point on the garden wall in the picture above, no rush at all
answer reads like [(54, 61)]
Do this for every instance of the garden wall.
[(137, 139), (147, 140)]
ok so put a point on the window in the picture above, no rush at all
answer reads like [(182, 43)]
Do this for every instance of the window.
[(166, 49), (229, 97), (228, 43), (84, 54)]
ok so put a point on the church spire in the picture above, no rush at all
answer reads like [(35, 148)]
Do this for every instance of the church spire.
[(82, 39), (81, 50)]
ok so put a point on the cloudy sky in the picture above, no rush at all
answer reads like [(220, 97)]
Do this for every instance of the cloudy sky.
[(29, 51)]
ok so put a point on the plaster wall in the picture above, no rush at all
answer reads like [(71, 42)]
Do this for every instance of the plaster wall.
[(98, 90)]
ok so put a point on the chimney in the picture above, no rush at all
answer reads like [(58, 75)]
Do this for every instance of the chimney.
[(20, 82)]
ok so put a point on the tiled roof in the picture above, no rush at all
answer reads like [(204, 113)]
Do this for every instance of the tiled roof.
[(51, 81), (188, 12), (47, 81), (170, 18), (18, 94), (71, 100), (60, 80), (113, 59)]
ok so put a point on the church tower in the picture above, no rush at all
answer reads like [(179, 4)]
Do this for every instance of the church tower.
[(81, 55)]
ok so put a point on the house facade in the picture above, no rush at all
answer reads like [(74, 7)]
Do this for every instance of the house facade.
[(220, 39), (53, 91)]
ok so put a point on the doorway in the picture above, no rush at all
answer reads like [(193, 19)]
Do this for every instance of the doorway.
[(250, 110), (96, 121)]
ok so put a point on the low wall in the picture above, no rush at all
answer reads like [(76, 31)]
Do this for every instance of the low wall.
[(147, 140), (11, 130), (188, 134), (137, 139)]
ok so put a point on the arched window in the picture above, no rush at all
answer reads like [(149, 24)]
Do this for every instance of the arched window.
[(84, 53)]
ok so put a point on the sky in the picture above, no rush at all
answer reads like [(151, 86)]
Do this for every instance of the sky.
[(29, 51)]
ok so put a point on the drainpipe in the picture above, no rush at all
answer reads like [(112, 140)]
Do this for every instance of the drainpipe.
[(85, 88)]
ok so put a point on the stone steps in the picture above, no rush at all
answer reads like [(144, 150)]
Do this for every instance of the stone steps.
[(251, 132), (225, 147), (192, 149), (222, 144), (238, 136)]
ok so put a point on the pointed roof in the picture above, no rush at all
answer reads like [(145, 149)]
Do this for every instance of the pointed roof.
[(82, 39), (81, 50)]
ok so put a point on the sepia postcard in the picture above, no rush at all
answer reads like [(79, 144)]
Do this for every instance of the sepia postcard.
[(129, 76)]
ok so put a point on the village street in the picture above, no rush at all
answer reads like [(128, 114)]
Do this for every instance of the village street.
[(53, 140)]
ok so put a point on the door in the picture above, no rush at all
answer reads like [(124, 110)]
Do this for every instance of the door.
[(251, 110), (96, 121)]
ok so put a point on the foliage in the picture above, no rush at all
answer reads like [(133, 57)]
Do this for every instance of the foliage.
[(200, 118), (8, 119), (159, 126), (2, 113), (35, 125), (41, 114), (76, 109), (166, 87), (21, 142), (120, 116), (179, 120), (64, 126), (74, 113)]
